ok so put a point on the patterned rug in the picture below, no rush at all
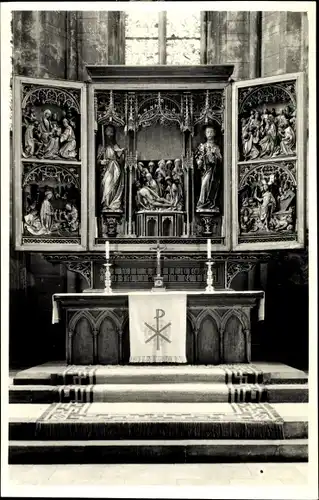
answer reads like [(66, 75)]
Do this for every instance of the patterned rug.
[(228, 393), (81, 383), (80, 421), (91, 374)]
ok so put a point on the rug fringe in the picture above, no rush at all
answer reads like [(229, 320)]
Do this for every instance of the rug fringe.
[(159, 430)]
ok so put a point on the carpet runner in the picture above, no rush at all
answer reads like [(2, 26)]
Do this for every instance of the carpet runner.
[(173, 413), (157, 421)]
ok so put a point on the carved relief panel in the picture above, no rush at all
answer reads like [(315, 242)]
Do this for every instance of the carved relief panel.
[(50, 164), (268, 163)]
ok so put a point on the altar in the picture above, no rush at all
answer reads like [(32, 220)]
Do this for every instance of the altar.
[(219, 325)]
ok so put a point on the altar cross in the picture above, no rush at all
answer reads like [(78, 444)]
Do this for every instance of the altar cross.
[(158, 249)]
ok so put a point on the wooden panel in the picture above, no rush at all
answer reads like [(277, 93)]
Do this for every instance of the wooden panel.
[(234, 341), (208, 342), (268, 163), (49, 134), (125, 344), (190, 342), (107, 341), (82, 348)]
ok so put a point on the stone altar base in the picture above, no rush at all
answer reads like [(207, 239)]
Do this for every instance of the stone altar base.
[(87, 414)]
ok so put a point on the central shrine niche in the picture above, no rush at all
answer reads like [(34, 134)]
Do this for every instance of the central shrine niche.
[(159, 163)]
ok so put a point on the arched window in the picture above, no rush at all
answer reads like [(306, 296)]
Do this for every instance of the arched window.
[(162, 38)]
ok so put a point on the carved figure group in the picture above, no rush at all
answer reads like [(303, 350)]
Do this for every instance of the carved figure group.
[(268, 134), (110, 159), (208, 158), (51, 215), (48, 137), (268, 204), (160, 187)]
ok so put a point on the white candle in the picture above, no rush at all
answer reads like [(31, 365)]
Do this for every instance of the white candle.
[(209, 249), (107, 250)]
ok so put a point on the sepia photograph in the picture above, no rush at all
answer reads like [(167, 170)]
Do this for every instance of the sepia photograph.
[(159, 317)]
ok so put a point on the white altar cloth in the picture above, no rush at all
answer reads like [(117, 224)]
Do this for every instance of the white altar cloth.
[(157, 328)]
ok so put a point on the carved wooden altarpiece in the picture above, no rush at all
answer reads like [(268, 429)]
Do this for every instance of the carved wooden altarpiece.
[(172, 152), (150, 126)]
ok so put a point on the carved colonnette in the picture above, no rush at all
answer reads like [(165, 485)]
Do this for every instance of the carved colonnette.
[(219, 328)]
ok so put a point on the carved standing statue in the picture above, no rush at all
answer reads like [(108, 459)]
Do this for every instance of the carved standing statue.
[(208, 158), (267, 205), (68, 150), (110, 158)]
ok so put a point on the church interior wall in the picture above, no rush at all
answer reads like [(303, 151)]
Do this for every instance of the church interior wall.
[(59, 45)]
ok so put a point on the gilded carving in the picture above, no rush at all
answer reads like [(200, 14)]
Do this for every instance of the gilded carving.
[(51, 200), (209, 107), (234, 268), (267, 197), (50, 123), (208, 159), (267, 122), (159, 108), (111, 108), (84, 268), (160, 185), (110, 160)]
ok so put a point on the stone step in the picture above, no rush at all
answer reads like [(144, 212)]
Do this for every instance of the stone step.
[(168, 421), (61, 374), (157, 451), (178, 392)]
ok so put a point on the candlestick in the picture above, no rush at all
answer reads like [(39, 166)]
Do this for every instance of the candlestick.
[(107, 278), (209, 280), (107, 250), (209, 249)]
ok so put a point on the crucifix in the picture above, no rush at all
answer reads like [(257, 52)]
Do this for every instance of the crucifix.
[(158, 280)]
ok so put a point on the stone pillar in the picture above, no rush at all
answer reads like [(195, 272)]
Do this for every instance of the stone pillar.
[(116, 38), (254, 44), (72, 64), (282, 43), (25, 28), (92, 39), (39, 44), (101, 39), (232, 39)]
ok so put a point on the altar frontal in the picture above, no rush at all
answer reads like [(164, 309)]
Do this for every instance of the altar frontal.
[(157, 328)]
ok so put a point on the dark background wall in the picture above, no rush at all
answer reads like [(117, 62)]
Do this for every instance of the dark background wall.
[(59, 45)]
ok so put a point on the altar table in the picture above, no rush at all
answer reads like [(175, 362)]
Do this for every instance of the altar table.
[(219, 325)]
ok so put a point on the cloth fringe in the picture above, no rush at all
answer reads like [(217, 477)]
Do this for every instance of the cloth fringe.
[(158, 359), (159, 430)]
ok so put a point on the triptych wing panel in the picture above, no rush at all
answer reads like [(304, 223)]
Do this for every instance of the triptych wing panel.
[(268, 163), (50, 164)]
